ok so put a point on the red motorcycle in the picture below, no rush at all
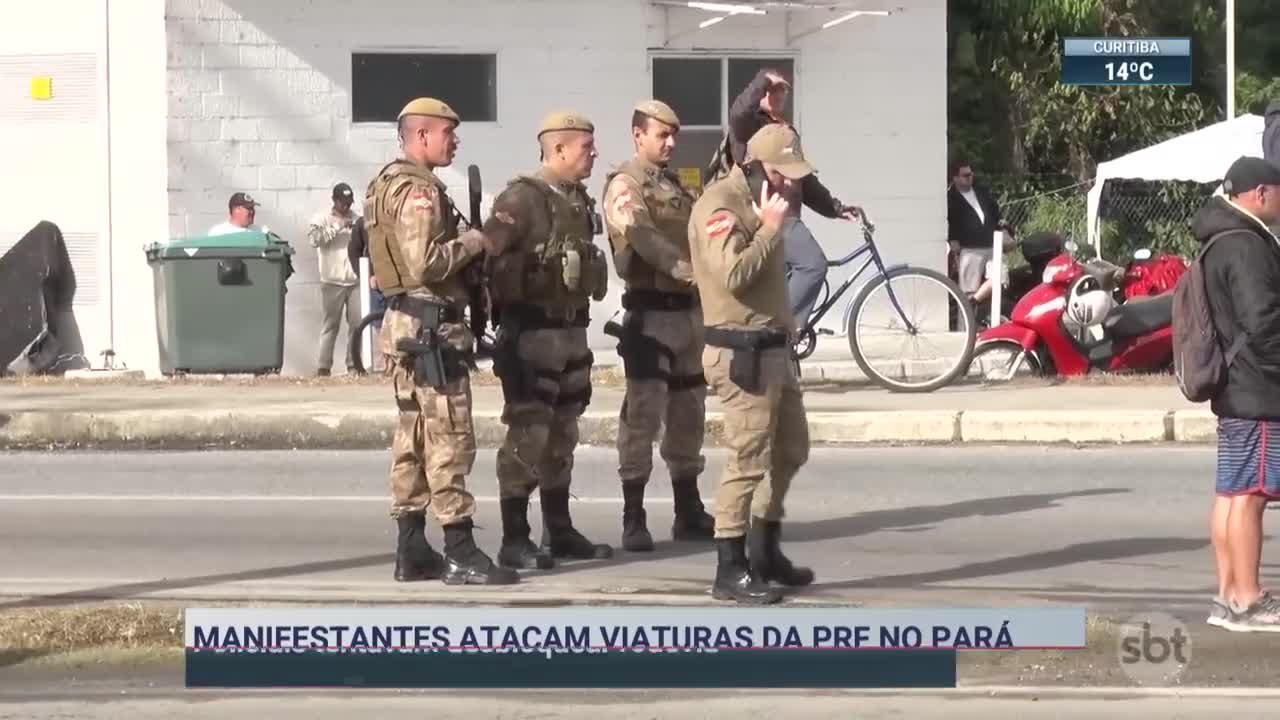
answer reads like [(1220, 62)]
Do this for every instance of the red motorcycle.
[(1087, 316)]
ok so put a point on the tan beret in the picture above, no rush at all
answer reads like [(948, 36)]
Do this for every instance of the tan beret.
[(431, 107), (565, 120), (659, 111)]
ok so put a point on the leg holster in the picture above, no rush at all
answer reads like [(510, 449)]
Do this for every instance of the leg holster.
[(519, 378), (640, 353), (747, 346), (435, 363)]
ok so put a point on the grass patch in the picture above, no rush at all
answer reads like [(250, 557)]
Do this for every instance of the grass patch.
[(134, 626)]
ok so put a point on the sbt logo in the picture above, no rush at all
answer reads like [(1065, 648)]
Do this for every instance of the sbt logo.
[(1154, 649)]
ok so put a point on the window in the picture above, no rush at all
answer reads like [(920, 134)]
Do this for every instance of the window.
[(700, 89), (382, 83)]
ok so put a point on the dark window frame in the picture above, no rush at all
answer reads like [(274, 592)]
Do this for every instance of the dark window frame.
[(370, 109), (725, 57)]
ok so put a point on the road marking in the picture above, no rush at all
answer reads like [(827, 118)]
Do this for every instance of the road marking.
[(270, 498)]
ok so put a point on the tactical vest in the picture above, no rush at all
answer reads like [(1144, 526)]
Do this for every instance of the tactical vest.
[(669, 205), (383, 201), (560, 273)]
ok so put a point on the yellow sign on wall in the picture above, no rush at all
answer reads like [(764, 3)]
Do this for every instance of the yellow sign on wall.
[(41, 88), (691, 179)]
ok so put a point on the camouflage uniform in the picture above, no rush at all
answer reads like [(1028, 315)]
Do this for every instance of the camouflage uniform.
[(739, 269), (541, 286), (646, 213), (416, 251)]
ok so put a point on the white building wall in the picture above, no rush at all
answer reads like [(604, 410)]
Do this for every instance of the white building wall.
[(259, 100)]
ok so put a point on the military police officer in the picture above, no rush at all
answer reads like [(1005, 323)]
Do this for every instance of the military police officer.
[(418, 258), (646, 212), (543, 274), (739, 267)]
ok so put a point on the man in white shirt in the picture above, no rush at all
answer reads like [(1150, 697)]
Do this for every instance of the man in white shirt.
[(330, 233), (241, 210), (972, 219)]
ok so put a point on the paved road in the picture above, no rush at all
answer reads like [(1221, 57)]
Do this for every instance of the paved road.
[(668, 705), (1115, 529)]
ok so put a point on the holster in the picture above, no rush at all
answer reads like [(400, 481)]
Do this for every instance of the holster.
[(640, 353), (747, 346), (435, 364)]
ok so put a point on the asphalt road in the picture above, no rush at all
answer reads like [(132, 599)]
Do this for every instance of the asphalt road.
[(1115, 529), (1119, 531)]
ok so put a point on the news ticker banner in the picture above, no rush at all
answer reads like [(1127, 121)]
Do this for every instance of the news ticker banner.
[(1126, 61), (592, 647)]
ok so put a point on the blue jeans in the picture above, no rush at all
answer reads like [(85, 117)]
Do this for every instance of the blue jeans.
[(806, 267), (377, 302)]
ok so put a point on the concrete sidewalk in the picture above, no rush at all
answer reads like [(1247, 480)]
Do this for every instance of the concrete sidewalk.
[(360, 413)]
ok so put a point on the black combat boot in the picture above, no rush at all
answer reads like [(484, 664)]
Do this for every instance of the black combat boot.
[(692, 521), (635, 531), (734, 580), (466, 563), (415, 558), (559, 535), (518, 550), (767, 561)]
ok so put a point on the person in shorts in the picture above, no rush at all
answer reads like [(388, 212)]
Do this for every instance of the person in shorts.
[(1242, 284)]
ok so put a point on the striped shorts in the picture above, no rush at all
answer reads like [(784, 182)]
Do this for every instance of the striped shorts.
[(1248, 457)]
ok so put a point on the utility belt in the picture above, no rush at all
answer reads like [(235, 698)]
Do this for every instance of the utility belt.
[(747, 347), (640, 300), (519, 378), (435, 363)]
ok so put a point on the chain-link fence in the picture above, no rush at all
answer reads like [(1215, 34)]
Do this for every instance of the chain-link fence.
[(1133, 214)]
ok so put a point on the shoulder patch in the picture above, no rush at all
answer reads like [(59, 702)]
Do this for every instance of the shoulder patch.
[(720, 223), (420, 199)]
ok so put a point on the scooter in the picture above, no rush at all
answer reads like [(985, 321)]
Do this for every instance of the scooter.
[(1087, 316)]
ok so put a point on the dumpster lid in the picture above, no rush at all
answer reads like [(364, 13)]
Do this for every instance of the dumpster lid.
[(251, 241)]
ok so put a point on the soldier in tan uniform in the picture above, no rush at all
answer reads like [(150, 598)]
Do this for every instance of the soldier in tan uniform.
[(739, 267), (419, 259), (541, 284), (646, 212)]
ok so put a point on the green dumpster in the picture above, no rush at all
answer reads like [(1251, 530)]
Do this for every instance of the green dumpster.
[(220, 302)]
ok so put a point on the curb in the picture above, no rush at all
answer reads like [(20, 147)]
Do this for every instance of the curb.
[(229, 429)]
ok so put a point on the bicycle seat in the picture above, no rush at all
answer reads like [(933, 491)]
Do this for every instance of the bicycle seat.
[(1138, 317)]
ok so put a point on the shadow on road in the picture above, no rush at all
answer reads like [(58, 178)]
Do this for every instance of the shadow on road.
[(920, 517), (129, 590)]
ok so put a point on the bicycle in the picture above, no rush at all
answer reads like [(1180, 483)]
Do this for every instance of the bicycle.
[(888, 278)]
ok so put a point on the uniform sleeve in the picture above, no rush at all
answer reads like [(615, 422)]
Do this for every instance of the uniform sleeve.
[(510, 218), (626, 213), (420, 211), (734, 257)]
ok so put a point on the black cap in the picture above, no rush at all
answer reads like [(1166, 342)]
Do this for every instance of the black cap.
[(342, 191), (1247, 173), (242, 200)]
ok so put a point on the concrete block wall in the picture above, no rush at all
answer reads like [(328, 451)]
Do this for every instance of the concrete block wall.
[(259, 100)]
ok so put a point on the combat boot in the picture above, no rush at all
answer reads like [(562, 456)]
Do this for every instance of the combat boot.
[(635, 531), (767, 561), (734, 579), (466, 563), (518, 550), (692, 522), (560, 536), (415, 558)]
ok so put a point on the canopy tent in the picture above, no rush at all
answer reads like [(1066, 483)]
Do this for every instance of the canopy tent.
[(1199, 156)]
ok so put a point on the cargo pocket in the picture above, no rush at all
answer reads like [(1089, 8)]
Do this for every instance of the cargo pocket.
[(453, 410)]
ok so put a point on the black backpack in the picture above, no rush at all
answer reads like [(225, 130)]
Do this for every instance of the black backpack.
[(1199, 361)]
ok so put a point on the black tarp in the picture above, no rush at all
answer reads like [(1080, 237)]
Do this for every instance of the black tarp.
[(38, 331)]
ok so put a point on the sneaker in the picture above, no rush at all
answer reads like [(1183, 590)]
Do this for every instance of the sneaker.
[(1262, 616), (1219, 612)]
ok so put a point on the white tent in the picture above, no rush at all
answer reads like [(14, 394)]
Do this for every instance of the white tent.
[(1199, 156)]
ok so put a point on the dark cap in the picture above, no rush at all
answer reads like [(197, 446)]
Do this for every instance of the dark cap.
[(342, 191), (1247, 173), (242, 200)]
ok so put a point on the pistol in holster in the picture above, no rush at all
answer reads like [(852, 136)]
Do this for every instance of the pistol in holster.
[(435, 363), (641, 355), (748, 346)]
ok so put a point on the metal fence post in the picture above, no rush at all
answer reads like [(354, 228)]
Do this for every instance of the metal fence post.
[(366, 306), (997, 266)]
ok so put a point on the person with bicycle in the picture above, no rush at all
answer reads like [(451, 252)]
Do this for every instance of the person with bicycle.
[(735, 244), (646, 214), (762, 103)]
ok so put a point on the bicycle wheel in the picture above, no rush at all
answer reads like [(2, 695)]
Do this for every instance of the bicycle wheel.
[(888, 320), (357, 339)]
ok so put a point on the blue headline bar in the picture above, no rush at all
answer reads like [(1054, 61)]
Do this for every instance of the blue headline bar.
[(1127, 47)]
